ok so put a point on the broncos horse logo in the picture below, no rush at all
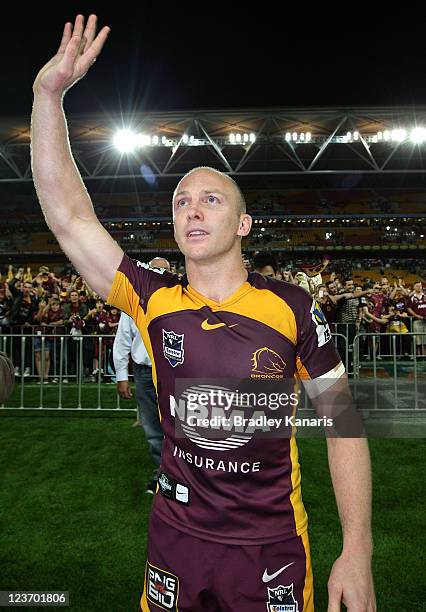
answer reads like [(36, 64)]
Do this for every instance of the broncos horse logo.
[(267, 361)]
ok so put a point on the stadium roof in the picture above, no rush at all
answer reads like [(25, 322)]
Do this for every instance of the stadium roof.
[(269, 147)]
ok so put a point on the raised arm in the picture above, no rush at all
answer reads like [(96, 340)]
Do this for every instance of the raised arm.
[(64, 200)]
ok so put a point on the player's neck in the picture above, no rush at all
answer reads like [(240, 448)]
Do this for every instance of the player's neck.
[(216, 280)]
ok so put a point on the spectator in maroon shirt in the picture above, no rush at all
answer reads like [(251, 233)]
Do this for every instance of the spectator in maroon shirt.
[(417, 309), (50, 317), (100, 318)]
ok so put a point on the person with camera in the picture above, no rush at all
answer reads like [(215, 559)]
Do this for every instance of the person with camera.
[(73, 317), (101, 327), (24, 308)]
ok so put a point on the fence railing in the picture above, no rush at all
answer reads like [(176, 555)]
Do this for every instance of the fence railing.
[(75, 386), (71, 358), (408, 387)]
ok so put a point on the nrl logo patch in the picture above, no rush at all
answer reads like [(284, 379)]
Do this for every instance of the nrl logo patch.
[(173, 347), (281, 599), (162, 588)]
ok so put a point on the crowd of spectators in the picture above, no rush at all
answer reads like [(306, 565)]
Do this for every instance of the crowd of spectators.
[(45, 306), (385, 306)]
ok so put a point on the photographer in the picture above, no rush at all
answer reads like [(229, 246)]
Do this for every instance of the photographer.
[(73, 317)]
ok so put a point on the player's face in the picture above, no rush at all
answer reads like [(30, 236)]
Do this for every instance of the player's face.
[(417, 287), (207, 219)]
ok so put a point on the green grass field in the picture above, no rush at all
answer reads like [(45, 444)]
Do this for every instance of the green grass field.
[(73, 513)]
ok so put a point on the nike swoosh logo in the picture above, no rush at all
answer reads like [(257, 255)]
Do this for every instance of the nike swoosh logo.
[(267, 578), (208, 326)]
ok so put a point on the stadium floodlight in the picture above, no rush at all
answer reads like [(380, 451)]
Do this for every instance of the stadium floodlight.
[(185, 138), (288, 136), (308, 137), (238, 138), (245, 138), (155, 140), (125, 141), (294, 136), (252, 137), (143, 140), (232, 138), (356, 135), (418, 135), (386, 135), (399, 135)]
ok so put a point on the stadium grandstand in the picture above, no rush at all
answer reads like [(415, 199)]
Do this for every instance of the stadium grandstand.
[(338, 202), (341, 184)]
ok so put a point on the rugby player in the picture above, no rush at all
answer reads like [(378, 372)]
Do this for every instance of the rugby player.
[(228, 530)]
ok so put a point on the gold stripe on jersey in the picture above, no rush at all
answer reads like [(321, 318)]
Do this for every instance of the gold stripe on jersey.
[(299, 512), (269, 309), (235, 297), (168, 301), (121, 286), (302, 372), (121, 293), (308, 589), (144, 601)]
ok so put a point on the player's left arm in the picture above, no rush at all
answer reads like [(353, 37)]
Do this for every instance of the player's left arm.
[(325, 381), (351, 579)]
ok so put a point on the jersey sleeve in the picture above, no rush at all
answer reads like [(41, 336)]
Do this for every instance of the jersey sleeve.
[(316, 354), (134, 283)]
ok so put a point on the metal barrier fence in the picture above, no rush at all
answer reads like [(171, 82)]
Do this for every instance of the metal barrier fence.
[(69, 358), (401, 387)]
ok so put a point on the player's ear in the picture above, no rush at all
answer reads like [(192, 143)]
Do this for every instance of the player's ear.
[(245, 224)]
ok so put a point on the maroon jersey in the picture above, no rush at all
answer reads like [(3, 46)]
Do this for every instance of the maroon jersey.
[(330, 311), (101, 320), (51, 317), (49, 285), (380, 301), (418, 304), (239, 489)]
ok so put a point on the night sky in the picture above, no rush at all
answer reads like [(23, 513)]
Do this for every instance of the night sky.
[(162, 58)]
